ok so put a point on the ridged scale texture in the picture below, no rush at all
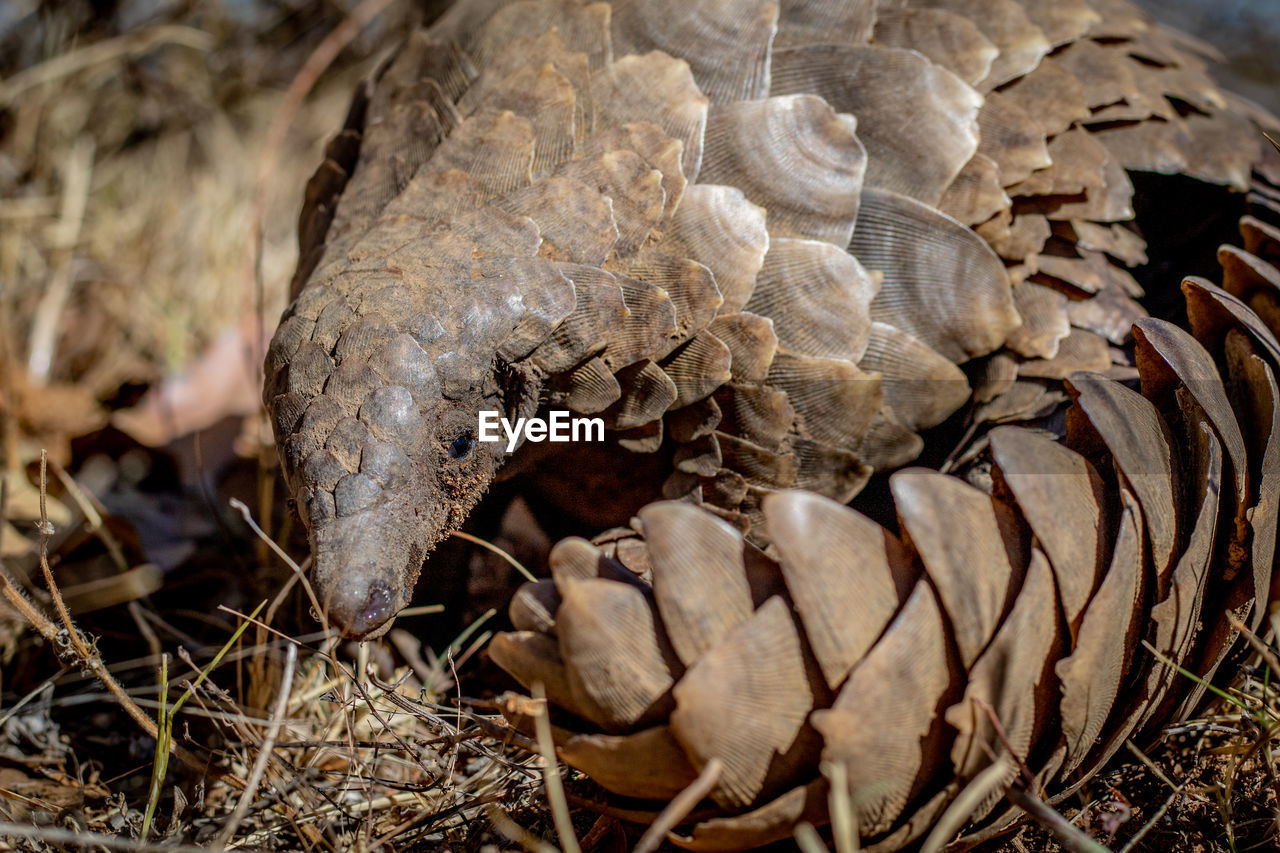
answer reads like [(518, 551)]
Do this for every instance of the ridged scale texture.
[(893, 655), (652, 211)]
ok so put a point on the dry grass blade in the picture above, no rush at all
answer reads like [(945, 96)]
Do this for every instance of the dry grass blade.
[(489, 546), (503, 823), (551, 775), (48, 316), (808, 839), (986, 783), (92, 513), (320, 59), (1150, 765), (264, 750), (1264, 651), (68, 639), (699, 293), (164, 742), (1151, 823), (844, 820), (79, 838), (297, 570), (1070, 835), (168, 156)]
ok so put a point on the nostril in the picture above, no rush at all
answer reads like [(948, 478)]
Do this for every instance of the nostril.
[(359, 612), (378, 607)]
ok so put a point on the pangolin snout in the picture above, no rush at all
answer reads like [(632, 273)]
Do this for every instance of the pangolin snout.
[(366, 566)]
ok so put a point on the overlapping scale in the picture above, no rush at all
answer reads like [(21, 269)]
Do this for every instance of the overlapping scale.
[(1027, 604), (902, 680), (917, 158), (583, 27), (657, 88), (1007, 24), (726, 42), (718, 227), (919, 385), (633, 188), (942, 283), (798, 135), (815, 21), (950, 40), (818, 297)]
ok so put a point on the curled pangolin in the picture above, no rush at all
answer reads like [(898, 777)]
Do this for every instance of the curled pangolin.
[(891, 656), (737, 231)]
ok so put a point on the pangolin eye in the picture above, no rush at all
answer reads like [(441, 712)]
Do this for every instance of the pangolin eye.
[(461, 446)]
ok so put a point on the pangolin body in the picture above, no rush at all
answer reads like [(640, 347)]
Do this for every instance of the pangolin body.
[(756, 238), (759, 239)]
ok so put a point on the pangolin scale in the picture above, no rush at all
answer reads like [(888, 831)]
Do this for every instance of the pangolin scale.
[(760, 239)]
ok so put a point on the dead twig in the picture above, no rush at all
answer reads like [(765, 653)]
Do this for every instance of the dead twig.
[(1150, 824), (1068, 834), (551, 774), (1071, 836), (1024, 771), (504, 824), (678, 809), (1264, 651), (73, 647), (297, 570), (986, 783), (81, 838)]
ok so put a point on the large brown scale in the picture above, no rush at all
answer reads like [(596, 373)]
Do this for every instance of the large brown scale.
[(759, 240)]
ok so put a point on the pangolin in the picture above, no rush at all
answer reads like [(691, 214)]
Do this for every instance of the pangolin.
[(757, 238), (760, 239)]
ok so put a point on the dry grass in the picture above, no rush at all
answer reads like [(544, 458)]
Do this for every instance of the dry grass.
[(306, 744), (146, 232)]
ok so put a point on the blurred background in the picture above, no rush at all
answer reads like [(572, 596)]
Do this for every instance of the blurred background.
[(153, 155)]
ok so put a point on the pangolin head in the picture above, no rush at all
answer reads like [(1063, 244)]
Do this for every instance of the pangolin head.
[(371, 532), (380, 455)]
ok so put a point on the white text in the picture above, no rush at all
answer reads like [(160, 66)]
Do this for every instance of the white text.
[(559, 425)]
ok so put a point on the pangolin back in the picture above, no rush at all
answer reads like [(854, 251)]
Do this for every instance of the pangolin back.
[(757, 239)]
